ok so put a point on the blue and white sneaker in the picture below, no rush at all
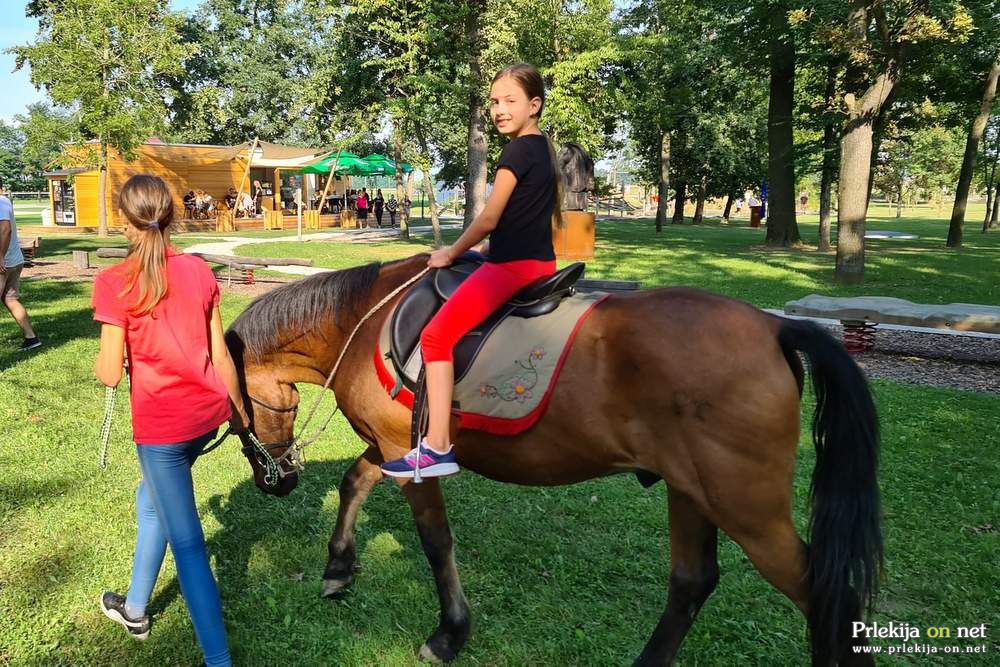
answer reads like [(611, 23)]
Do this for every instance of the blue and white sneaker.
[(432, 464)]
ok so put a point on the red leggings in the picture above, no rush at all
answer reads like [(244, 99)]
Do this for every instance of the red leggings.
[(489, 287)]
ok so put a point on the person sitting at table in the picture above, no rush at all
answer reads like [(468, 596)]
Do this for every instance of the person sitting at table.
[(244, 205), (189, 204), (230, 198)]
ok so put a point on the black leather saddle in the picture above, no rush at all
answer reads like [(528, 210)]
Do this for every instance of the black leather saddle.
[(427, 295)]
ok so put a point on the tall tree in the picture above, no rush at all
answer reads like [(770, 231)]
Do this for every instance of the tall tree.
[(782, 229), (106, 57), (252, 73), (478, 148), (976, 129), (875, 44), (11, 164), (45, 130)]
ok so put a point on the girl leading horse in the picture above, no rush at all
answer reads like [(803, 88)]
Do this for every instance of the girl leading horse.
[(658, 383)]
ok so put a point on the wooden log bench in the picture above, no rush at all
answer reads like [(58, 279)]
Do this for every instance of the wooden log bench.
[(244, 266), (859, 316), (28, 246)]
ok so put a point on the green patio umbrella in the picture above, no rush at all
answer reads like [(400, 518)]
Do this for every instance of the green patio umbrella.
[(347, 164), (384, 165)]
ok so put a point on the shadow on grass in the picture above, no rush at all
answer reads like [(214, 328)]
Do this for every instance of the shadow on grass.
[(54, 324), (269, 556)]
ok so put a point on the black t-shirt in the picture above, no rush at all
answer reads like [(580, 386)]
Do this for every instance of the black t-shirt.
[(525, 227)]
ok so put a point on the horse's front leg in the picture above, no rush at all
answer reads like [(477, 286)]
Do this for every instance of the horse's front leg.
[(358, 482), (429, 513)]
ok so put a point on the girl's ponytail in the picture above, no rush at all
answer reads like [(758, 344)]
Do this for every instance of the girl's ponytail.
[(530, 80), (147, 204)]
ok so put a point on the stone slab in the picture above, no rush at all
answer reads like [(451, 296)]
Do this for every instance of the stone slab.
[(883, 309)]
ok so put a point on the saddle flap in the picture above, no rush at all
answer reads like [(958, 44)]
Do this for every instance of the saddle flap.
[(410, 316)]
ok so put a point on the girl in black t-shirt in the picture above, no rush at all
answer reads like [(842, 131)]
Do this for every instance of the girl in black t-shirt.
[(518, 219)]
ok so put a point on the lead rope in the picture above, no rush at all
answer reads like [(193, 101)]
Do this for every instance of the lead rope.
[(301, 442), (110, 393)]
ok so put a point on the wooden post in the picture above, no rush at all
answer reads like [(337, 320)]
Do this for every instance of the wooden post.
[(246, 172), (298, 216), (81, 259), (329, 180)]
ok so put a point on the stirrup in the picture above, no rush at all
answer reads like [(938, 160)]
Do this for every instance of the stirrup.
[(419, 419)]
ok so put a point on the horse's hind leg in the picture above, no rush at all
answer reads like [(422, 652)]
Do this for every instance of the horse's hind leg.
[(358, 482), (694, 572), (429, 513)]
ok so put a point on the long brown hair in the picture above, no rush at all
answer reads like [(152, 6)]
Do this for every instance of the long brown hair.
[(148, 205), (528, 77)]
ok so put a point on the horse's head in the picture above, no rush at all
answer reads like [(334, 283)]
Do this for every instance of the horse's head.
[(269, 437), (268, 443)]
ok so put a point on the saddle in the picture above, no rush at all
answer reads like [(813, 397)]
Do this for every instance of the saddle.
[(426, 297)]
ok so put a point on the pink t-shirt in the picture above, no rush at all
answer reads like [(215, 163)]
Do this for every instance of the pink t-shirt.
[(176, 393)]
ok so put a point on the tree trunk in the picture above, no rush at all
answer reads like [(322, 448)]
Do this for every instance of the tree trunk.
[(782, 229), (878, 134), (429, 193), (409, 195), (664, 183), (699, 207), (829, 168), (992, 193), (680, 195), (855, 163), (969, 161), (475, 182), (996, 207), (899, 201), (397, 155), (102, 192), (728, 209)]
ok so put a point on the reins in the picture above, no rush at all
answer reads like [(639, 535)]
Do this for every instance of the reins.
[(293, 452)]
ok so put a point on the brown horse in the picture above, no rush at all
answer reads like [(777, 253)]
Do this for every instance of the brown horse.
[(694, 388)]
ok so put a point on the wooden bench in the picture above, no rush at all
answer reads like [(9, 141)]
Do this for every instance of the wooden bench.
[(859, 315), (28, 246)]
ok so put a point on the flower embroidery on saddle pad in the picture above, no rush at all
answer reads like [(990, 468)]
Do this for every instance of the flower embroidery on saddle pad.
[(511, 380)]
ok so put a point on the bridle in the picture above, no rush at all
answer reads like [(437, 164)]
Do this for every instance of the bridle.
[(275, 468)]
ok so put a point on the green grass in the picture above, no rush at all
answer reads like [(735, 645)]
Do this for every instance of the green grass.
[(571, 575), (732, 260)]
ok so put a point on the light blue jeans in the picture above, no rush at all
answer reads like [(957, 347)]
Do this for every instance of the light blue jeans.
[(167, 514)]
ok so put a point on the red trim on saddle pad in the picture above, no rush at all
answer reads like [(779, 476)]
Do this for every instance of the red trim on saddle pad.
[(478, 422)]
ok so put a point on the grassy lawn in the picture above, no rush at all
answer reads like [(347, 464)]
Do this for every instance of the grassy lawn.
[(732, 260), (572, 575)]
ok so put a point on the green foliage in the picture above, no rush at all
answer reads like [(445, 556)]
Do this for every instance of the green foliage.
[(708, 95), (12, 170), (105, 58), (251, 72), (45, 129)]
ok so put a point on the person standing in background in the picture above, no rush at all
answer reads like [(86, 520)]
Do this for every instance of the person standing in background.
[(11, 263), (378, 203)]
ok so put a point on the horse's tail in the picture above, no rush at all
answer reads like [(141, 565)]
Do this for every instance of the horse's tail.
[(845, 550)]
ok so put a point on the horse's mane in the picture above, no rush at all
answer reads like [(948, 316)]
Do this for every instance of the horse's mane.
[(298, 307)]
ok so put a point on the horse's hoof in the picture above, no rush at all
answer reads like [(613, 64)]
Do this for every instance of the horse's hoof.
[(426, 654), (335, 587)]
